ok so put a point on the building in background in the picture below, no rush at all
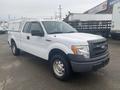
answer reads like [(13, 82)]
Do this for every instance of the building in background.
[(101, 8), (104, 8)]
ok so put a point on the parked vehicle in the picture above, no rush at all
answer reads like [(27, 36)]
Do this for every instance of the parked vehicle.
[(115, 29), (99, 24), (60, 44), (2, 30)]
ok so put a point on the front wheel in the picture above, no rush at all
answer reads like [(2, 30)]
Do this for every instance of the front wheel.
[(14, 49), (60, 67)]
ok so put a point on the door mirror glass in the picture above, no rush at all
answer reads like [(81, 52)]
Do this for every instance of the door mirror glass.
[(37, 33)]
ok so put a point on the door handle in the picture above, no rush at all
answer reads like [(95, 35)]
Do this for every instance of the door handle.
[(28, 37)]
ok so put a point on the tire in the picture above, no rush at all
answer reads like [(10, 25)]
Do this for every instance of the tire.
[(113, 37), (60, 67), (15, 50)]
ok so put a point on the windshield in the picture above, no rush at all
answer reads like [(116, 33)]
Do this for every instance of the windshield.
[(55, 27)]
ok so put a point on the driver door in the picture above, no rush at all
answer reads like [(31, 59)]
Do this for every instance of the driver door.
[(37, 44)]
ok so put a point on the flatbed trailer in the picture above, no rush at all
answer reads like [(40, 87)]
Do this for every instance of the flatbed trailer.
[(99, 24)]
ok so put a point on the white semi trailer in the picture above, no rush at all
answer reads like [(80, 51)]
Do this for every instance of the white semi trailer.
[(115, 29)]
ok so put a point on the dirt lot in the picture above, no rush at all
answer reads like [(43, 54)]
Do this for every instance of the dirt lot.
[(28, 72)]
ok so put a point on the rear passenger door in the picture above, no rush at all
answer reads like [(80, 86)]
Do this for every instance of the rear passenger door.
[(25, 37)]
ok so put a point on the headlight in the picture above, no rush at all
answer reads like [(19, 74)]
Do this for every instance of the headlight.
[(81, 50)]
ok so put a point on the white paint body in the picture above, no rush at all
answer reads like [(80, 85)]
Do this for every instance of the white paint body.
[(39, 46), (116, 19)]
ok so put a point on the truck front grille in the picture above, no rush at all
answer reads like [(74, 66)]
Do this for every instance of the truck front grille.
[(98, 48)]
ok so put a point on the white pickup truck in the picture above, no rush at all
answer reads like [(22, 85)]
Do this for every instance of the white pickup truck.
[(60, 44)]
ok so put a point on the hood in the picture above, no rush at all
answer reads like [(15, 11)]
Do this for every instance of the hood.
[(79, 36), (76, 38)]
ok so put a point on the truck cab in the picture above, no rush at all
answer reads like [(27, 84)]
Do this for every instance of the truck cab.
[(66, 49)]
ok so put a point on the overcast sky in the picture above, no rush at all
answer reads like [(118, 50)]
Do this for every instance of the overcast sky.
[(43, 8)]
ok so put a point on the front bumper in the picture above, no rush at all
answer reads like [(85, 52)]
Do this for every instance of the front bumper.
[(80, 64)]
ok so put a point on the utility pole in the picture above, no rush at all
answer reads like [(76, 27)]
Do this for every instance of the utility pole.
[(60, 12)]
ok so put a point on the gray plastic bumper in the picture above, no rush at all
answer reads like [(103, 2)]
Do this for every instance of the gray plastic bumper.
[(80, 64)]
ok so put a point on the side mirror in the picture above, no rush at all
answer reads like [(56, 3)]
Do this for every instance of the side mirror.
[(37, 33)]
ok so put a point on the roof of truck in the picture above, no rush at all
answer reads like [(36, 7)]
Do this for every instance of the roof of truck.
[(31, 19)]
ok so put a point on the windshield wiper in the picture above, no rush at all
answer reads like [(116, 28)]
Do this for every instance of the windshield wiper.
[(72, 32), (55, 32), (62, 32)]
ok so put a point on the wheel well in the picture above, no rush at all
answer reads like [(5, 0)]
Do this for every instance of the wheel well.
[(52, 52), (12, 40)]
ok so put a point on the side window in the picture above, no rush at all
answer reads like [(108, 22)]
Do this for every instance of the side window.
[(26, 28), (36, 26)]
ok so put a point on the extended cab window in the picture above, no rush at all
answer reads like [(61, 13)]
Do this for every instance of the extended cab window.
[(36, 26), (26, 28)]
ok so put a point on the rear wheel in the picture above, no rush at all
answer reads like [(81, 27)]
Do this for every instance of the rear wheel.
[(14, 49), (60, 67)]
